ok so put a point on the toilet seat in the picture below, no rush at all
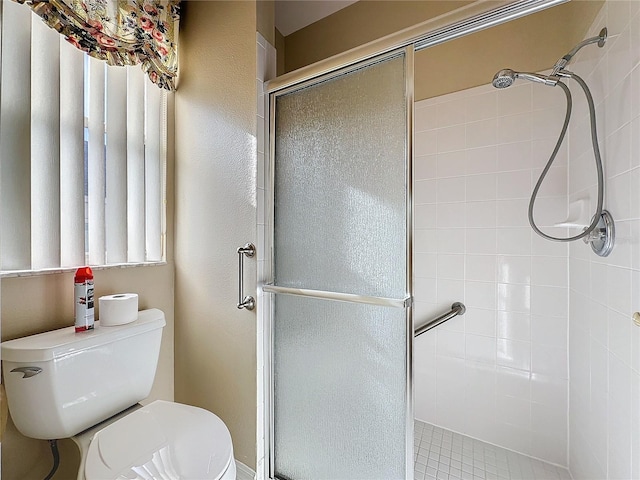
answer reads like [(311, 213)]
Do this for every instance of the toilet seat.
[(162, 440)]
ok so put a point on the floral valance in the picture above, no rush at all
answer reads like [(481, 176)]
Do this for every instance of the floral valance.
[(120, 32)]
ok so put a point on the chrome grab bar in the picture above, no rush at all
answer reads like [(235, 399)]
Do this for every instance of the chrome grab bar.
[(457, 308), (247, 302)]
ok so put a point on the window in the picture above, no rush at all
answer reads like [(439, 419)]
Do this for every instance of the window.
[(82, 155)]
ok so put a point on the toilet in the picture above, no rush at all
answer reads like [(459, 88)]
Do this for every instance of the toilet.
[(86, 386)]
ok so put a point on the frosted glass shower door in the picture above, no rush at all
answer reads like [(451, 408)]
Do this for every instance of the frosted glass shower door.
[(340, 326)]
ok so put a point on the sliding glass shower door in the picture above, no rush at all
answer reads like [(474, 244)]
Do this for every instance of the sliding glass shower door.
[(340, 326)]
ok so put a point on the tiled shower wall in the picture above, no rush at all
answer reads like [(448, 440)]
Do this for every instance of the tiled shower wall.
[(604, 343), (498, 373)]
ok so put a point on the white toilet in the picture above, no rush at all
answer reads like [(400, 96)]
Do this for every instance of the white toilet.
[(62, 384)]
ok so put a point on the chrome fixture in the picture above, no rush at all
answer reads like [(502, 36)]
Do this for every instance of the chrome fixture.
[(600, 232), (562, 62), (505, 78), (27, 372), (457, 308), (340, 297), (247, 302), (602, 237)]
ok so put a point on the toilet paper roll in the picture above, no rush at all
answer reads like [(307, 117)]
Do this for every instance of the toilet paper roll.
[(118, 309)]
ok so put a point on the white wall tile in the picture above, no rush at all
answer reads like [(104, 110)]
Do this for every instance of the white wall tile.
[(551, 331), (514, 100), (425, 192), (514, 411), (514, 298), (516, 184), (451, 164), (514, 128), (514, 269), (450, 215), (425, 216), (620, 336), (513, 326), (514, 156), (450, 113), (451, 266), (514, 354), (549, 301), (424, 166), (482, 133), (481, 107), (549, 360), (481, 251), (425, 265), (481, 322), (450, 139), (514, 241), (480, 268), (480, 214), (481, 187), (548, 390), (481, 160), (549, 271), (481, 241), (425, 118), (547, 123), (480, 294), (618, 146), (480, 348), (512, 213), (451, 189), (425, 143), (449, 344), (450, 291)]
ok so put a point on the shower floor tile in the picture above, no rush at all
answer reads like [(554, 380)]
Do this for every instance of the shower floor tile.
[(444, 455)]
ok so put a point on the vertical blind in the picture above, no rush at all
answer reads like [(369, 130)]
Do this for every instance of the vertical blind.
[(82, 154)]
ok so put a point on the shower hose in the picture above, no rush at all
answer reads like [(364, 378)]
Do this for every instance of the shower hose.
[(596, 153)]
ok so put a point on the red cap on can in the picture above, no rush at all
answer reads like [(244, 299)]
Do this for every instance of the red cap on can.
[(83, 274)]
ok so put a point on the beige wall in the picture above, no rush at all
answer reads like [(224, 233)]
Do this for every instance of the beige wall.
[(40, 303), (280, 48), (266, 19), (358, 24), (532, 43), (45, 302), (216, 213)]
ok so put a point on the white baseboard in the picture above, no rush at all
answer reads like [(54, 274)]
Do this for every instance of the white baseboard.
[(243, 472)]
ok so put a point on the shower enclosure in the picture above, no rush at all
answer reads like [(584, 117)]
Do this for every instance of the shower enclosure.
[(336, 294)]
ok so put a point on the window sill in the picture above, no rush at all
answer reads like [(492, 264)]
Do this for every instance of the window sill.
[(47, 271)]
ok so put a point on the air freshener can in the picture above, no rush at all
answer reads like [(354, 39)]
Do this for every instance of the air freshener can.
[(83, 292)]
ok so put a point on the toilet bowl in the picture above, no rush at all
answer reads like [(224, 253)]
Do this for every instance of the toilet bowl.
[(86, 386)]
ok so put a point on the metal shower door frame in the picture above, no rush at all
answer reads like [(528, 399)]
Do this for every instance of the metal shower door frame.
[(267, 290)]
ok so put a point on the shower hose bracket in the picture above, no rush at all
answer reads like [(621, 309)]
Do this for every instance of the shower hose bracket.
[(602, 237)]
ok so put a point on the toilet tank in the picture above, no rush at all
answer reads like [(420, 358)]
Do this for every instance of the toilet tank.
[(60, 383)]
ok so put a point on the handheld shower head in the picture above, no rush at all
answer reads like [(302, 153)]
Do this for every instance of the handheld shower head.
[(505, 78)]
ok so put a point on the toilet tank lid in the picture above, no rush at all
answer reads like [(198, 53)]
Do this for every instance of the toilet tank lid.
[(47, 346)]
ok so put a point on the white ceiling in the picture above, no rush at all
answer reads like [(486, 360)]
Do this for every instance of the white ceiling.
[(292, 15)]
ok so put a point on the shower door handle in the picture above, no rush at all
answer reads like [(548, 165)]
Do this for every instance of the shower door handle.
[(247, 302)]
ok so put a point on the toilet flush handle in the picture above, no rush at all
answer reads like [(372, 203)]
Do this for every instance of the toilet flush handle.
[(27, 371)]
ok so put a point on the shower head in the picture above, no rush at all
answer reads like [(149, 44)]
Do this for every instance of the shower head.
[(505, 78)]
